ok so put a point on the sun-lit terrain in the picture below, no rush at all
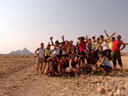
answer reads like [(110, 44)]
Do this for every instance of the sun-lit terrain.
[(17, 78)]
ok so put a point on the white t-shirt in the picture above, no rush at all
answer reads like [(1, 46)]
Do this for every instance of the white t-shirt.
[(64, 52), (41, 53), (105, 45), (57, 51)]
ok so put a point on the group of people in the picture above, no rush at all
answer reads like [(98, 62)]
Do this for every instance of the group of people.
[(89, 55)]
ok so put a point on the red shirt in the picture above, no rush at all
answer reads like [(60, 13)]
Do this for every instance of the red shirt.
[(116, 46), (82, 47)]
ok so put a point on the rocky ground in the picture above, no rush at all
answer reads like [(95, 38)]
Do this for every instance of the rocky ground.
[(17, 78)]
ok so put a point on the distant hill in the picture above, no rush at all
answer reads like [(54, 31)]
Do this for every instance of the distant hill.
[(25, 51)]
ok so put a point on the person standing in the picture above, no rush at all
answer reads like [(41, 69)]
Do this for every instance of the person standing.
[(116, 52), (94, 43), (47, 55), (82, 46), (105, 46), (40, 52)]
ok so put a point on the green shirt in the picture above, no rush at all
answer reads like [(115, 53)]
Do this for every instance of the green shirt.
[(94, 45)]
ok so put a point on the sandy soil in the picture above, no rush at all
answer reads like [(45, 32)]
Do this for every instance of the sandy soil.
[(17, 78)]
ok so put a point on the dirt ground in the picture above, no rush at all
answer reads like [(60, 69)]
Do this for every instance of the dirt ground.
[(17, 78)]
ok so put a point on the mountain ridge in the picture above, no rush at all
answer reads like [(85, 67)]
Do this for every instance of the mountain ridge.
[(24, 51)]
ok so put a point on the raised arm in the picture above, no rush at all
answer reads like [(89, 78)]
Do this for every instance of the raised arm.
[(62, 37), (86, 38), (51, 40), (126, 43), (110, 36), (106, 33)]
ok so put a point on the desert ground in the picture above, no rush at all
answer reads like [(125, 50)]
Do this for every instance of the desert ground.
[(17, 78)]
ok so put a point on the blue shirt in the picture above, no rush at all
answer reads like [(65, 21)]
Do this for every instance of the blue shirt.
[(107, 62)]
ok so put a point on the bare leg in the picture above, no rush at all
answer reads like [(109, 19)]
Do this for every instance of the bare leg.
[(103, 70), (44, 67), (85, 67), (121, 69), (48, 64), (94, 69), (37, 69), (49, 71), (41, 67)]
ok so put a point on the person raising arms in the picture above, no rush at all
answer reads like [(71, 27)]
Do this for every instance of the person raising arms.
[(56, 50), (105, 46)]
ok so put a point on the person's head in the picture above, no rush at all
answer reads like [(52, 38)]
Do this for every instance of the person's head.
[(118, 37), (81, 39), (100, 54), (68, 58), (42, 45), (86, 52), (54, 57), (98, 40), (101, 37), (76, 59), (93, 37), (89, 40), (63, 58), (48, 47), (113, 39), (62, 43), (71, 42), (66, 42), (57, 42)]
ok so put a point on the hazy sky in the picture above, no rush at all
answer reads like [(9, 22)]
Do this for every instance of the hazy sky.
[(27, 23)]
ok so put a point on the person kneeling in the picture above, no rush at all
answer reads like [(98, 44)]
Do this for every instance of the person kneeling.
[(72, 66), (54, 65), (104, 64)]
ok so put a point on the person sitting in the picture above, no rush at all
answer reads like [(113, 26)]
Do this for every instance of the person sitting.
[(64, 64), (54, 64), (91, 60), (73, 62), (104, 64)]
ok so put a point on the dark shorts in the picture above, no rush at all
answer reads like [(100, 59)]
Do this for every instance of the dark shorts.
[(64, 55), (107, 53), (58, 56), (82, 53), (117, 57), (46, 57), (73, 56), (106, 68)]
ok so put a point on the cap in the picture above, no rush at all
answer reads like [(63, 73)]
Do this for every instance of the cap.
[(93, 36)]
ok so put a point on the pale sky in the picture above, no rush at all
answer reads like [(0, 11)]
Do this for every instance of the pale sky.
[(27, 23)]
